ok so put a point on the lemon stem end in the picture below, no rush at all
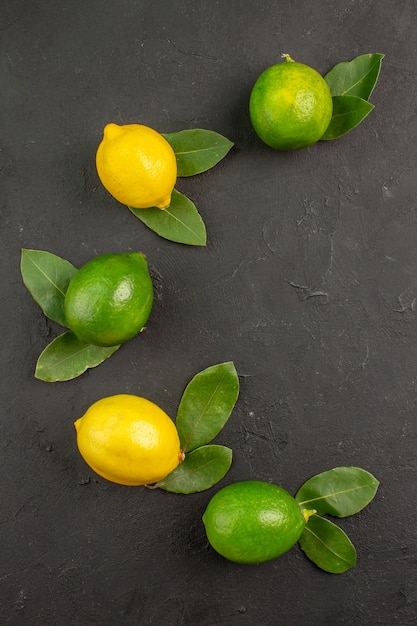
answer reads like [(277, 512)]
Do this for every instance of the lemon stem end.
[(164, 204), (111, 131), (287, 57)]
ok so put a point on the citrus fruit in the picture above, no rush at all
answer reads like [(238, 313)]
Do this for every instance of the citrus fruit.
[(253, 521), (109, 300), (137, 165), (128, 440), (290, 105)]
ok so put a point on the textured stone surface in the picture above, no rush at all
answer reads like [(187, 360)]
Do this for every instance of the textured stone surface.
[(308, 283)]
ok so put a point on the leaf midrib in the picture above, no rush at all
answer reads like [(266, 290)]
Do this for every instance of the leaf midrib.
[(333, 495), (307, 529), (359, 81), (346, 114), (188, 472), (212, 148), (80, 351), (46, 276), (183, 223), (202, 414)]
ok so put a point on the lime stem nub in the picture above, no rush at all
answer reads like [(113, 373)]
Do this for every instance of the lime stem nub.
[(287, 57), (307, 513)]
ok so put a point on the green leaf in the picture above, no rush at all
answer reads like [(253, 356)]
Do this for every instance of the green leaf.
[(46, 276), (327, 546), (200, 470), (348, 112), (206, 405), (355, 78), (197, 150), (66, 357), (341, 491), (180, 222)]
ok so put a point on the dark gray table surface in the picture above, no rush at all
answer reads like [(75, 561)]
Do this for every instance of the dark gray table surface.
[(327, 379)]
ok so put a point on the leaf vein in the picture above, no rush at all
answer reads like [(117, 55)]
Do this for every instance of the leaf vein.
[(187, 472), (202, 414), (333, 495), (359, 81), (73, 354), (47, 277), (342, 558), (211, 149), (180, 222)]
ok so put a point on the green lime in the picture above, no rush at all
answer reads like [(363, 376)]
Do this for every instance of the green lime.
[(253, 521), (290, 105), (109, 299)]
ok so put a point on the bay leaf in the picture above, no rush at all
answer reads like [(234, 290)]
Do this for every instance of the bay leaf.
[(180, 222), (197, 150), (201, 469), (348, 112), (46, 276), (66, 357), (341, 491), (206, 405), (355, 78), (327, 545)]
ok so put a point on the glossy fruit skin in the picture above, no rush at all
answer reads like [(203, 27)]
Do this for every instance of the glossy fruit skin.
[(253, 521), (128, 440), (137, 166), (290, 106), (109, 300)]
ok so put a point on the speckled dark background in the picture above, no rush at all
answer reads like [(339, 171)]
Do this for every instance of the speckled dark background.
[(308, 283)]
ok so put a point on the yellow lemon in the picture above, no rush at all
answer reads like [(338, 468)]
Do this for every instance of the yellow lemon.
[(128, 440), (137, 166)]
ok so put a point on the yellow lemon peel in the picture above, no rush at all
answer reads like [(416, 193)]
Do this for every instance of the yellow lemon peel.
[(137, 166), (128, 440)]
